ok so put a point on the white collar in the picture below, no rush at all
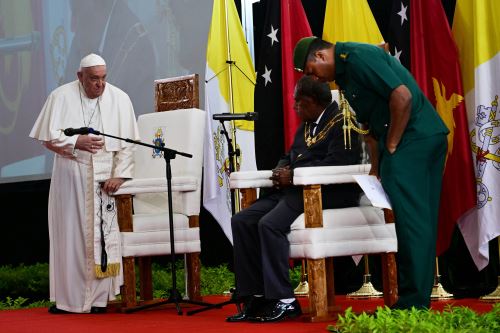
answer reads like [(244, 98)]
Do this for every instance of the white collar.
[(319, 117)]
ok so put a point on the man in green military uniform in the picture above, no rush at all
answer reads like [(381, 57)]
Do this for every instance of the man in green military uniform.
[(407, 146)]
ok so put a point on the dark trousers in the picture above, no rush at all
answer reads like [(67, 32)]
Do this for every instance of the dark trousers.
[(412, 178), (261, 247)]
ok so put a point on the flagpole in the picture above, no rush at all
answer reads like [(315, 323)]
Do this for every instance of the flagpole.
[(236, 202), (247, 22)]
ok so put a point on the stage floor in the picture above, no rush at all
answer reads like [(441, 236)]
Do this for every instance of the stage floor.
[(165, 319)]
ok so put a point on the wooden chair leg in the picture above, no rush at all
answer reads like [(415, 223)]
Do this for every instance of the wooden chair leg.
[(124, 209), (389, 278), (128, 288), (145, 278), (248, 197), (193, 267), (330, 285), (318, 302), (389, 268)]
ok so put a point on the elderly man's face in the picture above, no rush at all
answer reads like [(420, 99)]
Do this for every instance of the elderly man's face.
[(93, 80), (321, 67), (306, 108)]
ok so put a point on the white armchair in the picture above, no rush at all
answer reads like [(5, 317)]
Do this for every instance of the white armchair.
[(320, 234), (143, 207)]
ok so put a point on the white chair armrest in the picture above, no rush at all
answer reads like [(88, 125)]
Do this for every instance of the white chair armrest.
[(329, 174), (251, 179), (157, 185)]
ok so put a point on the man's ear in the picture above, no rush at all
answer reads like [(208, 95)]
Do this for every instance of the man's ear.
[(384, 46), (320, 55), (79, 75)]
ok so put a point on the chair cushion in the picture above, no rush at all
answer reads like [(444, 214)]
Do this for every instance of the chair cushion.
[(324, 175), (158, 222), (155, 185), (151, 236), (139, 244), (251, 179), (345, 232)]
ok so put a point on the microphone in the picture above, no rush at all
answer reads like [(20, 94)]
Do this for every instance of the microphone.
[(82, 130), (250, 116)]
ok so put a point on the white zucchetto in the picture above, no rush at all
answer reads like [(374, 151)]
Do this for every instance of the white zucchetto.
[(92, 60)]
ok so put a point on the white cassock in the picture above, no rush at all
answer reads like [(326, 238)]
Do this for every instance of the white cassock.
[(78, 281)]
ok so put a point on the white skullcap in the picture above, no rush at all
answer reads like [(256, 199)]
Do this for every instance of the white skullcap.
[(92, 60)]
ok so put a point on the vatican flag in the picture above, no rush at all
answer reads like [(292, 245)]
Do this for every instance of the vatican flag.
[(477, 34), (350, 21), (229, 88)]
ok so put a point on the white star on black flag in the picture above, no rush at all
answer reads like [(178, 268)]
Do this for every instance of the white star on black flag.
[(402, 13), (399, 32), (272, 35), (268, 97), (267, 75)]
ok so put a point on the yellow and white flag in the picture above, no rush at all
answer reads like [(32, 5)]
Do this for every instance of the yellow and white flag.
[(477, 34), (350, 21), (229, 88)]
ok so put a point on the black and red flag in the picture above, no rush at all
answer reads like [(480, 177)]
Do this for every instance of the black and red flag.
[(285, 23), (420, 37)]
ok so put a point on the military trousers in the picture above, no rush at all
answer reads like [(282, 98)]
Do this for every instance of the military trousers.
[(412, 178)]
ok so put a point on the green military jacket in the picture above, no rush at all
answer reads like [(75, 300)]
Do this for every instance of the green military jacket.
[(367, 75)]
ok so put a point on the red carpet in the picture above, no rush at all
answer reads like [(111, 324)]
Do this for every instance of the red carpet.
[(165, 319)]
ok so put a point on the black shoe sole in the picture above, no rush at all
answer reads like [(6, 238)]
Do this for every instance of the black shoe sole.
[(98, 310), (269, 320), (54, 310)]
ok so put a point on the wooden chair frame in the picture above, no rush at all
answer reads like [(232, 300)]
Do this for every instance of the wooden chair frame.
[(322, 305)]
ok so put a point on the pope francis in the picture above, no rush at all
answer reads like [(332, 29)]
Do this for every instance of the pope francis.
[(85, 258)]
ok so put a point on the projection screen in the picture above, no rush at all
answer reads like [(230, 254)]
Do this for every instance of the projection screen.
[(42, 42)]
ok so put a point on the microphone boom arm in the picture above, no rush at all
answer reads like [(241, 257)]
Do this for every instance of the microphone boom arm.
[(167, 151)]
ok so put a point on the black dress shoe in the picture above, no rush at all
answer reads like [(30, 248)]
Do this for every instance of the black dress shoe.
[(280, 311), (98, 310), (252, 307), (54, 310)]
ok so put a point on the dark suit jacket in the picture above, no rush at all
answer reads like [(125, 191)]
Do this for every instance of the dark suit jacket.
[(327, 152)]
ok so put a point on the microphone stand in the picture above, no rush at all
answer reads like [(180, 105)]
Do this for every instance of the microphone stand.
[(232, 153), (168, 154)]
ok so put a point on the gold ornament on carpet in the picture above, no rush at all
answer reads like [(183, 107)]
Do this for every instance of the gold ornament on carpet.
[(367, 290), (303, 287), (438, 292), (494, 296)]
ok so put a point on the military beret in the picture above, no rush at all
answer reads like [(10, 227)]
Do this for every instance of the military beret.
[(301, 52)]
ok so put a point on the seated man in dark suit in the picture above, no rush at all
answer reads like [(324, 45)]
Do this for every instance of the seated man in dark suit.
[(261, 247)]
